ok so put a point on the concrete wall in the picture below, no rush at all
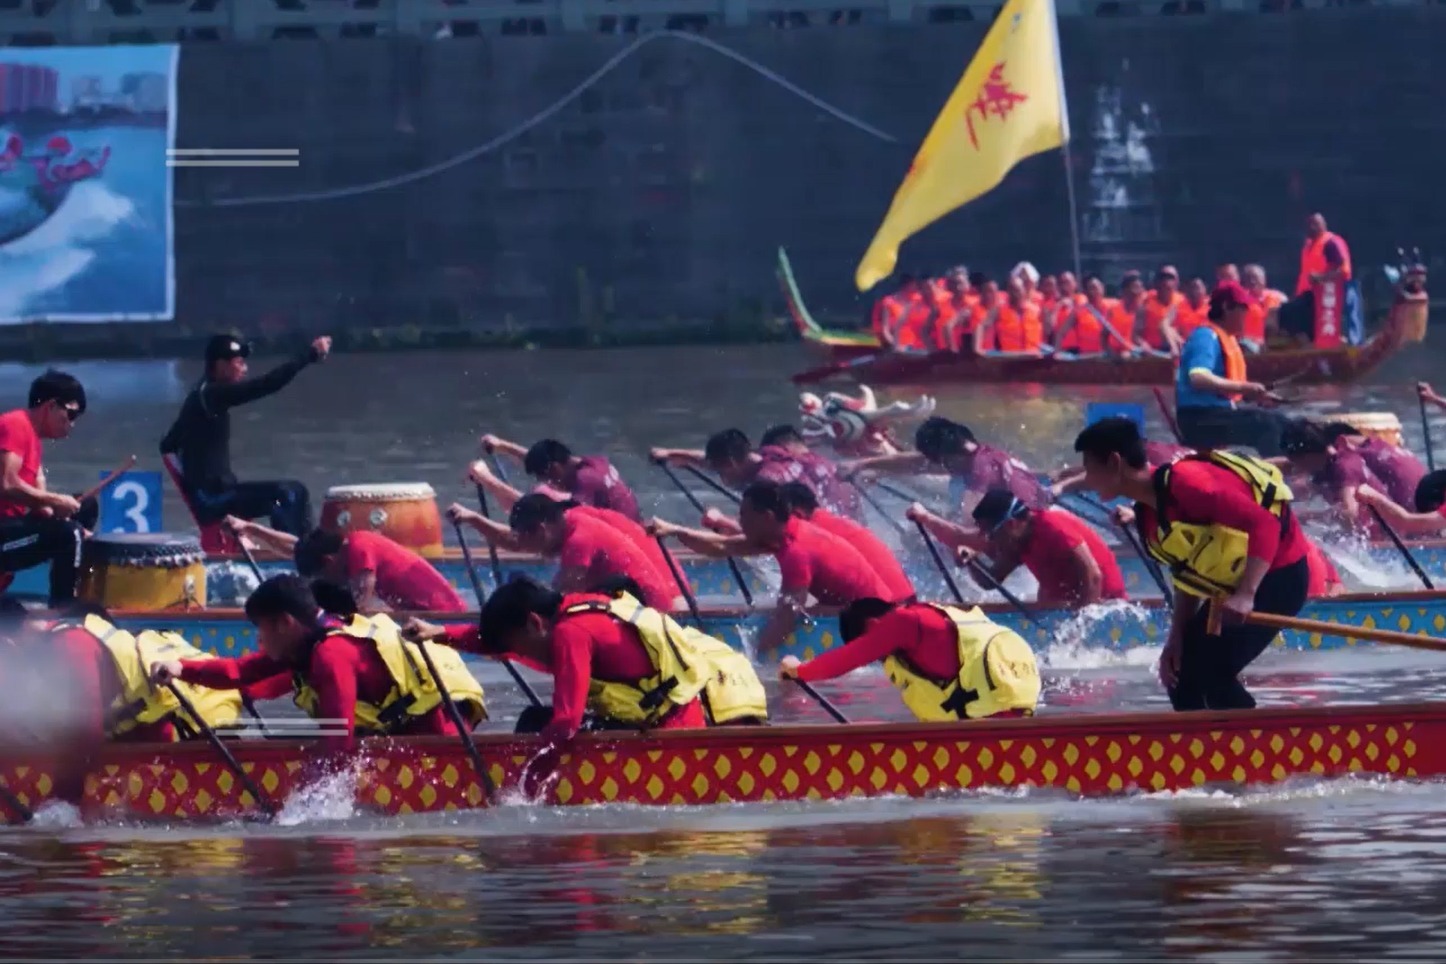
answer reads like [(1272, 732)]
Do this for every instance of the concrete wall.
[(664, 189)]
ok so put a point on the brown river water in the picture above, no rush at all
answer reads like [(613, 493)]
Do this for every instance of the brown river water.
[(1350, 869)]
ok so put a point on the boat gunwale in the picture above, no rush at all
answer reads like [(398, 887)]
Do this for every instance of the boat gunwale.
[(1143, 723)]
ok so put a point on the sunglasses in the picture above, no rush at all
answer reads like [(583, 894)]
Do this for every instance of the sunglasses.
[(72, 412)]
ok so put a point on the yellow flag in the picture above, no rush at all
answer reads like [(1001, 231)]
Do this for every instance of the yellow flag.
[(1009, 106)]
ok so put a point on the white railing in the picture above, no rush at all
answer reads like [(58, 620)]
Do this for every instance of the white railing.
[(73, 22)]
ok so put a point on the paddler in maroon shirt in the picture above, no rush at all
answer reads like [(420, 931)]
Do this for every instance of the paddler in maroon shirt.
[(1429, 519), (782, 457), (1223, 524), (1332, 469), (590, 479)]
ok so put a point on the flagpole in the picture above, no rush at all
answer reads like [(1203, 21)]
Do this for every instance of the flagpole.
[(1068, 160)]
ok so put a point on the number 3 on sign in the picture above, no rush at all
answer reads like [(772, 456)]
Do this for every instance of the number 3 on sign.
[(132, 504)]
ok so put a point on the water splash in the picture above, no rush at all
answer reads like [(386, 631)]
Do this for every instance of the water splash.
[(331, 797), (57, 814), (1071, 648)]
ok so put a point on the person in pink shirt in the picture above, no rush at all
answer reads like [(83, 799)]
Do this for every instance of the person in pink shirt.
[(811, 562), (382, 573), (783, 457), (1064, 553), (588, 550), (589, 479), (1429, 519)]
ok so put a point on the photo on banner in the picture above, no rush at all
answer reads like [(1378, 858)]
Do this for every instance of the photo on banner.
[(85, 191)]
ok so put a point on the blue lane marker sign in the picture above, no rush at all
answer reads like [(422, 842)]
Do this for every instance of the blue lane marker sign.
[(132, 503), (1095, 411)]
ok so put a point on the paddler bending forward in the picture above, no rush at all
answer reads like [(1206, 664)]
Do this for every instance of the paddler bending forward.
[(96, 675), (624, 664), (1222, 522), (342, 669), (948, 663), (811, 562)]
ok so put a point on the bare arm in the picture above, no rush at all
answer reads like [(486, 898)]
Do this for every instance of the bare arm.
[(1405, 523), (494, 444), (1207, 381), (713, 544), (506, 495), (265, 536), (693, 457), (904, 463), (782, 621), (14, 488), (494, 532), (1087, 570), (952, 534), (364, 591)]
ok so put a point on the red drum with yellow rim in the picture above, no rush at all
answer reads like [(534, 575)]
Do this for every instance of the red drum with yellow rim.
[(405, 512)]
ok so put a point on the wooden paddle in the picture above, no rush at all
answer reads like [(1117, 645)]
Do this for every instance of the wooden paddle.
[(477, 589), (688, 494), (491, 546), (100, 486), (1401, 547), (1169, 415), (713, 484), (489, 789), (1151, 565), (939, 562), (1426, 433), (682, 583), (1335, 629), (267, 805), (823, 701)]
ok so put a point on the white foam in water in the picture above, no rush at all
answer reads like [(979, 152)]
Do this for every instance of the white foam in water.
[(57, 814), (1071, 648), (332, 797)]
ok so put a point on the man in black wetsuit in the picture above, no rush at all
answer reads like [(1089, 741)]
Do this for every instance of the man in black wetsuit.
[(201, 437)]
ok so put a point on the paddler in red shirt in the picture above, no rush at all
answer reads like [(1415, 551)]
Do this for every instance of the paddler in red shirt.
[(589, 479), (101, 674), (1223, 525), (500, 535), (1064, 553), (949, 663), (380, 572), (811, 563), (609, 657), (802, 503), (36, 525), (353, 673), (587, 550)]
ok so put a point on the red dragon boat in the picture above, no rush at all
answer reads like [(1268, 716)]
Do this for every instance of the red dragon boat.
[(858, 356), (1086, 755)]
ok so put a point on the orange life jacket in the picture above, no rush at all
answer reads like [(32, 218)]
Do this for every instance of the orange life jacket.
[(1122, 320), (1156, 311), (1313, 260), (1265, 302), (1188, 317), (1234, 357), (1018, 329), (1087, 335)]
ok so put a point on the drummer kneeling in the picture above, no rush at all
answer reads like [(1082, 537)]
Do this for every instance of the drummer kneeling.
[(353, 673), (624, 664), (106, 696), (949, 663)]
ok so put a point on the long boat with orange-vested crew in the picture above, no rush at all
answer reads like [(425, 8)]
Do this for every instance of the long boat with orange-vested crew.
[(858, 356), (1087, 755)]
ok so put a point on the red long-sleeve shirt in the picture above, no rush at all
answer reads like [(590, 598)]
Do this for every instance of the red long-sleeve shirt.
[(921, 634), (1206, 494), (342, 670), (597, 646)]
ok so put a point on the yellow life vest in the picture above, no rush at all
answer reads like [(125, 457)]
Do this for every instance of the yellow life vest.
[(1209, 560), (997, 673), (140, 703), (687, 663), (413, 693)]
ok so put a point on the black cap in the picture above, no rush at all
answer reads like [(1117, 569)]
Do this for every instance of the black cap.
[(226, 347)]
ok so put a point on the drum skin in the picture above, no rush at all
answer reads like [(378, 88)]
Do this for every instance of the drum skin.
[(161, 570), (1382, 425), (406, 513)]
